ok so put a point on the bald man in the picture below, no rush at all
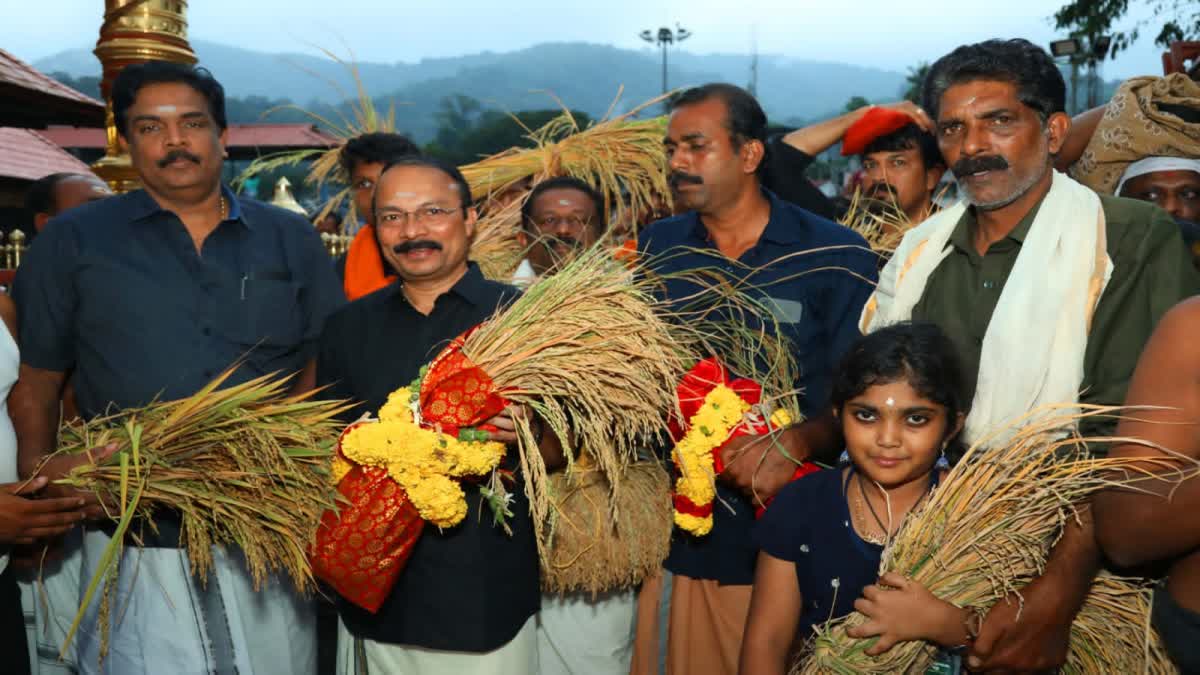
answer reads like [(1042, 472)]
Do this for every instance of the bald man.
[(58, 192)]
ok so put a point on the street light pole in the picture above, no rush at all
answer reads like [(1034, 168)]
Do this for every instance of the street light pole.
[(664, 38), (1079, 51)]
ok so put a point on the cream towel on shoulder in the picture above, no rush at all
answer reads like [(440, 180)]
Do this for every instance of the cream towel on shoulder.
[(1033, 349)]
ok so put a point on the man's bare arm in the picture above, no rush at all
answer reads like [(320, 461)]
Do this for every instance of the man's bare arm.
[(1083, 126), (305, 380), (33, 406), (817, 138), (1140, 524)]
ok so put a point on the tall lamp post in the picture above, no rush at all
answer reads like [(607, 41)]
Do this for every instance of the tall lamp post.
[(135, 31), (1078, 52), (665, 37)]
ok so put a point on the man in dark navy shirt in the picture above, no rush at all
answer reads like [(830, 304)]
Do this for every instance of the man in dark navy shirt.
[(149, 295), (814, 277), (466, 599)]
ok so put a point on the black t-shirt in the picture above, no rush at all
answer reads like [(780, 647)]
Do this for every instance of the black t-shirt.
[(470, 587), (783, 173)]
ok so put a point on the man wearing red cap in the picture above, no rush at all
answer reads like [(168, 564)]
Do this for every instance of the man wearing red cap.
[(901, 162)]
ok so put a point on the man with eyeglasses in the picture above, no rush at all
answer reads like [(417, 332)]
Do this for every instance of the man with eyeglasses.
[(577, 632), (466, 600), (561, 216)]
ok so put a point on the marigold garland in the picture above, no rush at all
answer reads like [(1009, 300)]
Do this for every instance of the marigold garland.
[(696, 454), (425, 462), (707, 431)]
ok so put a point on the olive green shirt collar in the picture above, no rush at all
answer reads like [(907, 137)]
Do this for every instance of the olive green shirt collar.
[(963, 236)]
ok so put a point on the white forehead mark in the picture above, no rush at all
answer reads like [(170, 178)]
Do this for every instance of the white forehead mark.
[(972, 100), (564, 202), (891, 402), (403, 195), (165, 109)]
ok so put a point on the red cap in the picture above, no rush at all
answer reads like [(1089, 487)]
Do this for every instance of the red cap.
[(877, 122)]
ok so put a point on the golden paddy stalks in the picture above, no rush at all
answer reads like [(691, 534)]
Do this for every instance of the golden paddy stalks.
[(245, 466), (985, 533)]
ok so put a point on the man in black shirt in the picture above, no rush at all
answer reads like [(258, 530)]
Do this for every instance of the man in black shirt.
[(466, 599)]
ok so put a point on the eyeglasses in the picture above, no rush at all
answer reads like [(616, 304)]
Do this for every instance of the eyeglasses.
[(425, 214)]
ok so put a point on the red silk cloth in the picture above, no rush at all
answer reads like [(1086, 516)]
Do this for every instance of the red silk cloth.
[(456, 393), (362, 547), (691, 392)]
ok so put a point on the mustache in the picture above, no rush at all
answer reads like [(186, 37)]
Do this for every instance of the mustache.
[(881, 189), (969, 165), (177, 155), (678, 177), (415, 244), (563, 242)]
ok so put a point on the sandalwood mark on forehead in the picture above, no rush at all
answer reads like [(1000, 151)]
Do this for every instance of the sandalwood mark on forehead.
[(165, 109), (564, 202), (403, 195), (891, 402)]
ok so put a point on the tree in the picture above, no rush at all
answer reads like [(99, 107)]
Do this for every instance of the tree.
[(1180, 20), (491, 132), (915, 81), (87, 84), (456, 116), (855, 103)]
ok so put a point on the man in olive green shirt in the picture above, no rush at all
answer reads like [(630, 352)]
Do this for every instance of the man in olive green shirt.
[(1000, 118), (1152, 271)]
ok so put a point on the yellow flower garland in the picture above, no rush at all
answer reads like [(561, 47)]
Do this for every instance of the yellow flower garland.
[(707, 430), (423, 461), (710, 427)]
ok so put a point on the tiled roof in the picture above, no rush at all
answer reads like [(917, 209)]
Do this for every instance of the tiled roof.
[(267, 136), (28, 155), (31, 97)]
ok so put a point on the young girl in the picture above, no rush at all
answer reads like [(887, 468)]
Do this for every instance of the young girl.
[(900, 399)]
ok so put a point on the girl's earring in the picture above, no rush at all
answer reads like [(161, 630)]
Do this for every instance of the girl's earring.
[(942, 462)]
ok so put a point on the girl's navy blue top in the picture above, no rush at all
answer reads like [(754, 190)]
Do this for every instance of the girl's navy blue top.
[(808, 524)]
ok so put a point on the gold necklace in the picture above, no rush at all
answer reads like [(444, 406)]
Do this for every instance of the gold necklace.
[(862, 518), (862, 514)]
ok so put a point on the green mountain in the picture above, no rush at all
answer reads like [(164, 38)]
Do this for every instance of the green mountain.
[(585, 77)]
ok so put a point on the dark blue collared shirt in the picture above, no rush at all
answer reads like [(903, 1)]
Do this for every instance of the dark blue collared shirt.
[(815, 276), (116, 291)]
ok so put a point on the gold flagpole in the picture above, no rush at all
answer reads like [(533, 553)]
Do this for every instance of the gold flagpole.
[(135, 31)]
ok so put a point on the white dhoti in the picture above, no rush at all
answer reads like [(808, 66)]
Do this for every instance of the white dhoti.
[(50, 601), (367, 657), (164, 621), (580, 636)]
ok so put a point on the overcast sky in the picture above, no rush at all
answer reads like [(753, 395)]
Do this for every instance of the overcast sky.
[(890, 34)]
